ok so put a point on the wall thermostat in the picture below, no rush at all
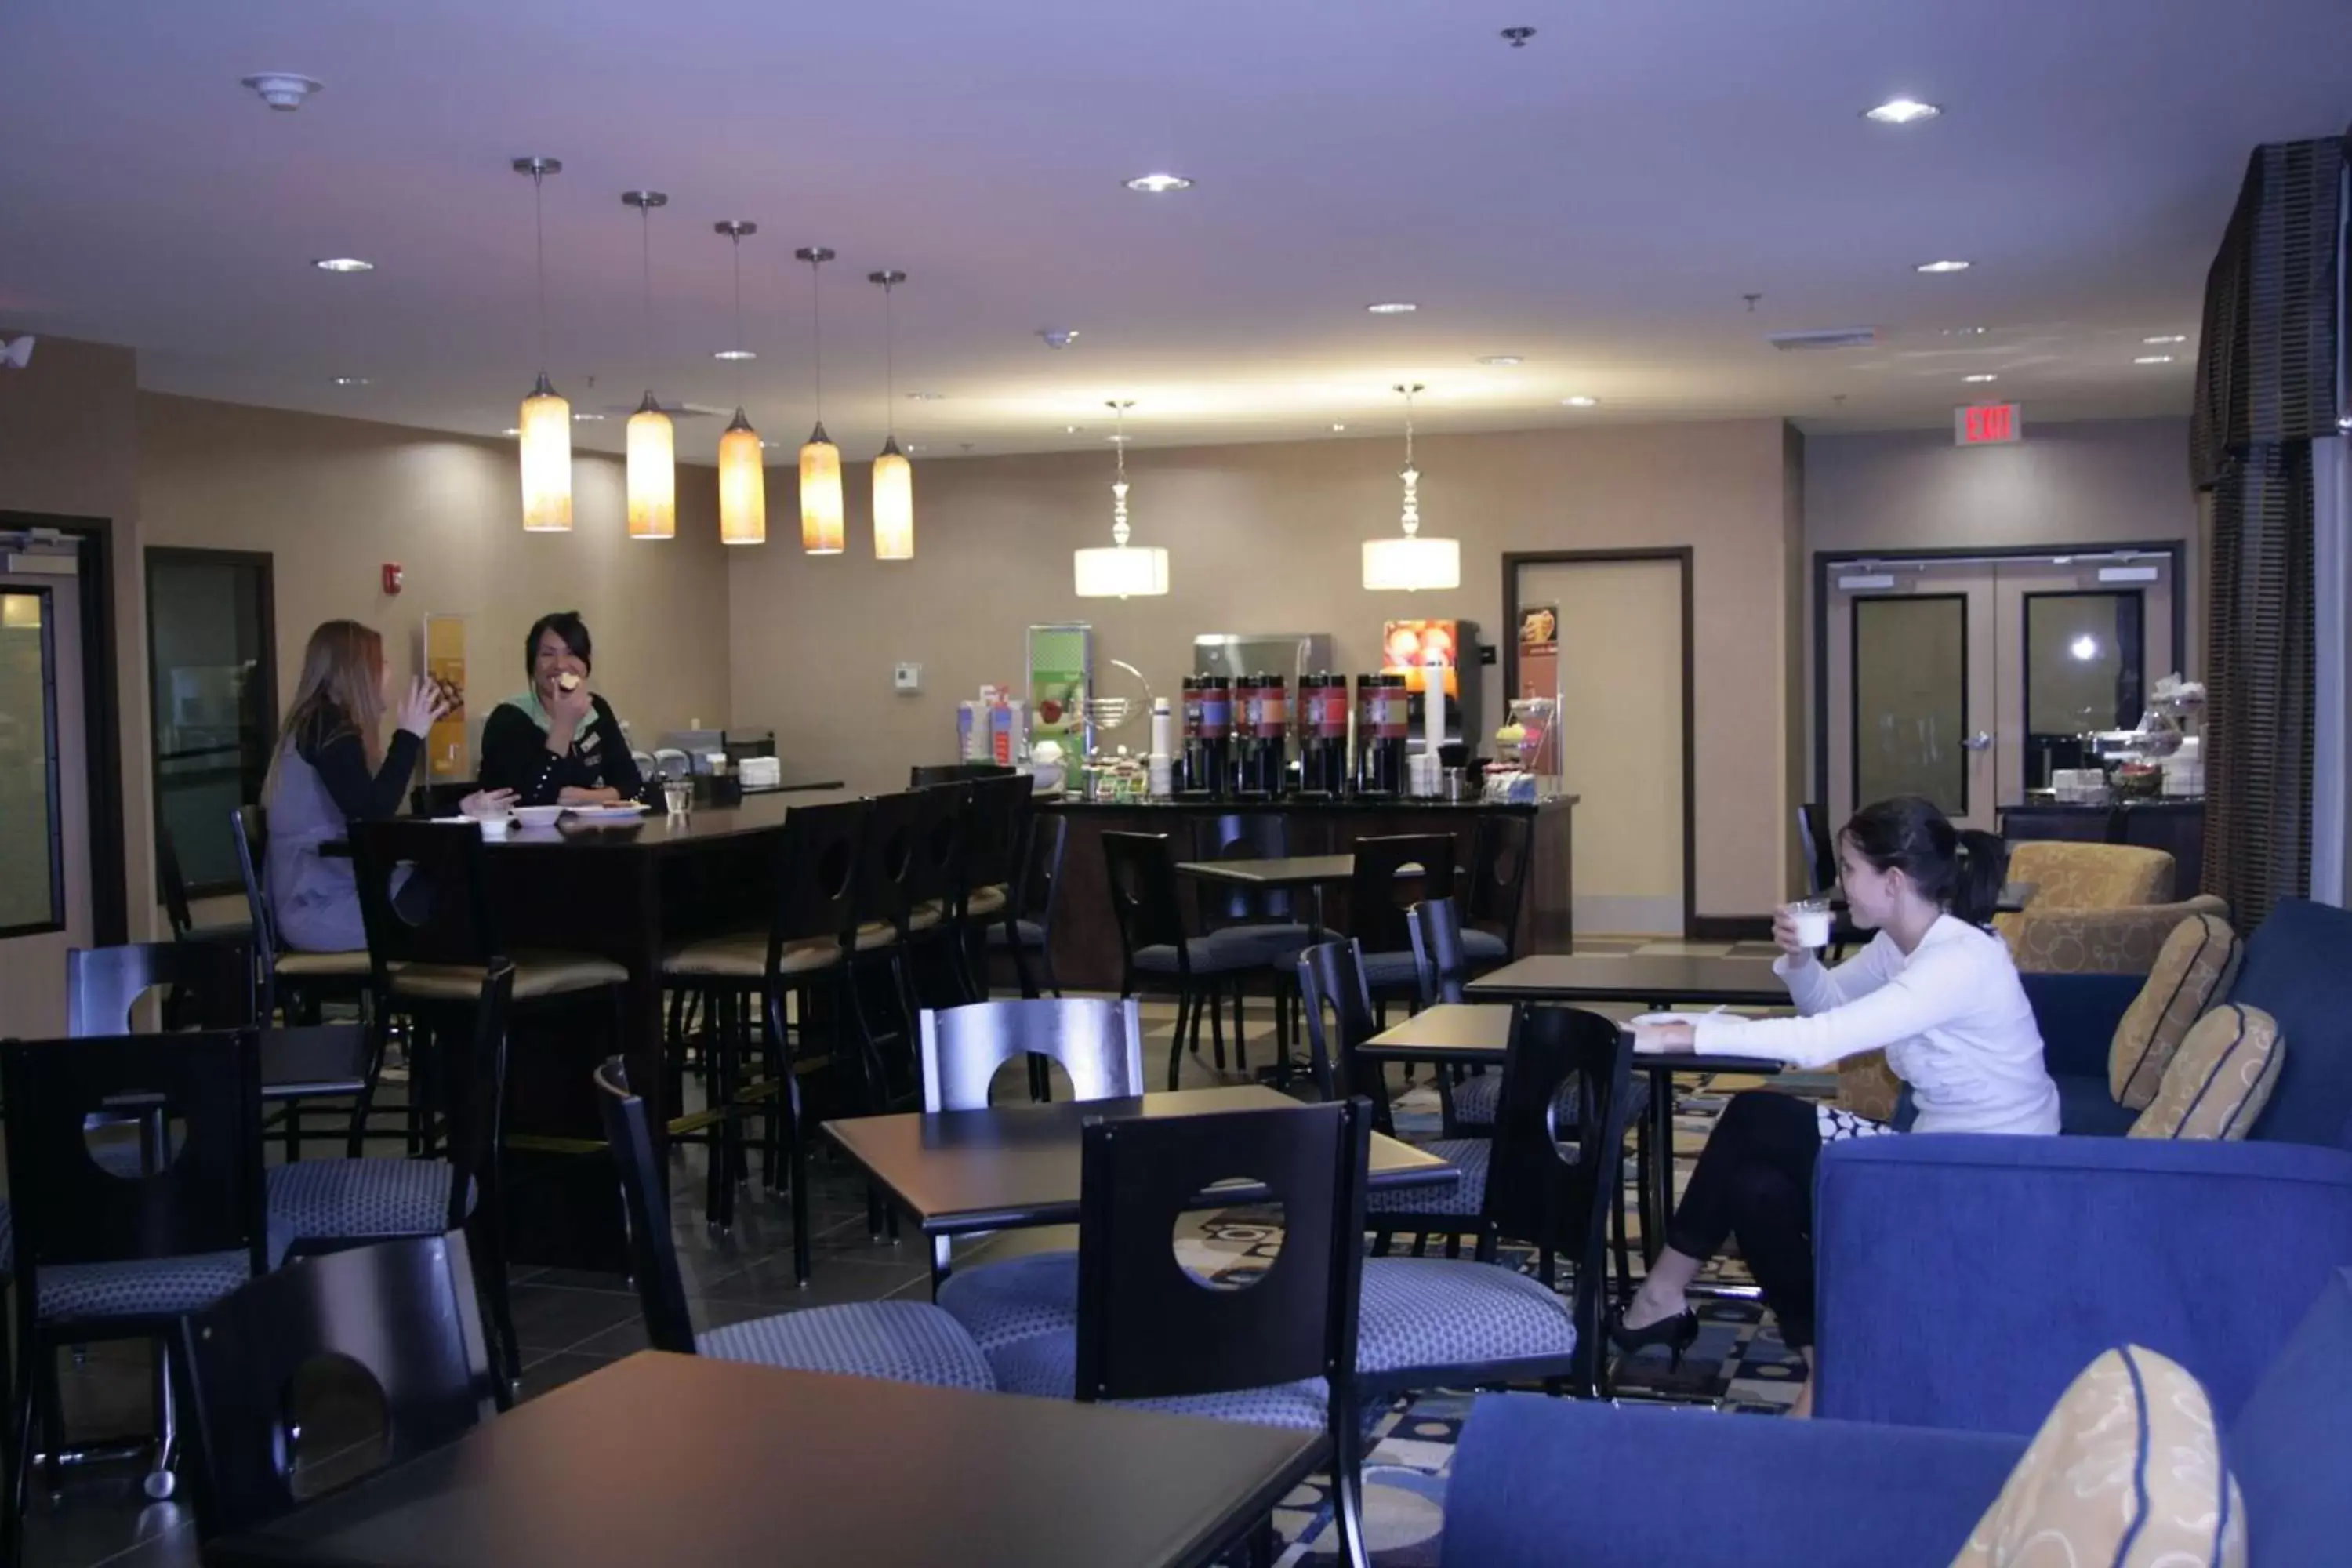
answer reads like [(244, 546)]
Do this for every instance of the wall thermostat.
[(906, 678)]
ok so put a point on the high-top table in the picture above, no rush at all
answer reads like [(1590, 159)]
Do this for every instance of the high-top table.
[(668, 1458)]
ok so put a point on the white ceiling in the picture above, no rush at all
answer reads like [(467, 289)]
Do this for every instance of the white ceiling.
[(1597, 202)]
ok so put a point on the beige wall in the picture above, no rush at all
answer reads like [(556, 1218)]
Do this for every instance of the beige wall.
[(1265, 538), (70, 448), (333, 499), (2096, 482)]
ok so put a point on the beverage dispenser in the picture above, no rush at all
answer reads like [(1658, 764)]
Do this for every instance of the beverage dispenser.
[(1265, 736), (1382, 725), (1323, 760)]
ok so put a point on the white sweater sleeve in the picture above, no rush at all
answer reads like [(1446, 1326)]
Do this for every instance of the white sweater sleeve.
[(1939, 984), (1815, 987)]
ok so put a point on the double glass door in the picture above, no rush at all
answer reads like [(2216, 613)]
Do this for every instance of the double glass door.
[(1971, 682)]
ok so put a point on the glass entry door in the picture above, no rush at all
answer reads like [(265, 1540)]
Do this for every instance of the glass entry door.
[(1971, 681)]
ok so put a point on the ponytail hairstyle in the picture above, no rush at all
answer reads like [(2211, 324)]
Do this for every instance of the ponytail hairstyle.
[(1962, 872)]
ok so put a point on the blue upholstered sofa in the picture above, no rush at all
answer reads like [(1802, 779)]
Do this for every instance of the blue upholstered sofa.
[(2298, 969), (1943, 1347)]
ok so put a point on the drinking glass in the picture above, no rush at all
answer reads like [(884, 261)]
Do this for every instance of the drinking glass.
[(677, 794)]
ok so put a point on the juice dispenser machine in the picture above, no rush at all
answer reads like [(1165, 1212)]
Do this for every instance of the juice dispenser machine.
[(1409, 648)]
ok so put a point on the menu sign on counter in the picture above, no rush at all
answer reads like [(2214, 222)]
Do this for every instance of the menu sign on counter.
[(1538, 675)]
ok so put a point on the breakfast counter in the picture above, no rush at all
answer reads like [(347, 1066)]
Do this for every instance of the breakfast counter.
[(1086, 941)]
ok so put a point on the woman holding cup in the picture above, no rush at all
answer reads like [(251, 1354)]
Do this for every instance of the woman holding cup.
[(1936, 989)]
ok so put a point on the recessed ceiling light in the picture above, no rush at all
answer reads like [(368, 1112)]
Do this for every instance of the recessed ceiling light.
[(1338, 426), (1941, 266), (2167, 338), (351, 380), (1159, 184), (735, 353), (586, 418), (927, 396), (1902, 111), (2153, 359), (1069, 429), (1582, 402), (1501, 359), (344, 264), (1966, 331), (1394, 308), (1981, 375)]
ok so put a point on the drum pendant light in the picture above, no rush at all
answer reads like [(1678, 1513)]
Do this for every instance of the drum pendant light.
[(1411, 562), (894, 476), (742, 472), (653, 440), (821, 531), (1123, 571), (545, 423)]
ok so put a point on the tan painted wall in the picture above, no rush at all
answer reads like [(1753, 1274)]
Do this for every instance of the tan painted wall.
[(333, 499), (1265, 538), (69, 446)]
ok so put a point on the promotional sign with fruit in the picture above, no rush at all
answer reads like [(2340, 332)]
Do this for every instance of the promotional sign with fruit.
[(1407, 647)]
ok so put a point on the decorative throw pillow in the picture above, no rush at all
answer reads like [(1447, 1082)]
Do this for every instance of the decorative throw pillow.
[(2220, 1079), (2195, 965), (2126, 1472)]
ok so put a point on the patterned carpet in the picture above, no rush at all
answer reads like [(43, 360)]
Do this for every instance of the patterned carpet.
[(1737, 1364)]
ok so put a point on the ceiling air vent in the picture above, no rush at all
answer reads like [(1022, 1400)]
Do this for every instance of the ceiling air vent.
[(1827, 338)]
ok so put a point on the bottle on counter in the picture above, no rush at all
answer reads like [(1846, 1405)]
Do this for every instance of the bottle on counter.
[(1323, 734)]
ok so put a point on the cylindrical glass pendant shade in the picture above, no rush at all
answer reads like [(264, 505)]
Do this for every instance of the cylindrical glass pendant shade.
[(1120, 571), (1411, 564), (743, 486), (894, 504), (653, 473), (546, 426), (821, 530)]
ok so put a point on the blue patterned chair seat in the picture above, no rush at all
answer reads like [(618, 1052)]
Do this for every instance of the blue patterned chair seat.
[(339, 1200), (1019, 1299), (1208, 957), (1466, 1196), (1266, 941), (903, 1342), (1483, 947), (156, 1286), (1391, 969), (1437, 1313), (1475, 1100), (1046, 1365), (1032, 934)]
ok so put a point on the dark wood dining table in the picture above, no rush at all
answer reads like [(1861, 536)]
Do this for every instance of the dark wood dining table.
[(628, 892), (669, 1458), (1014, 1166)]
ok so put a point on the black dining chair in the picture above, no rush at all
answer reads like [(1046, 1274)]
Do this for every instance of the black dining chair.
[(1155, 952), (904, 1342), (1552, 1184), (121, 1225), (326, 1206), (402, 1311), (302, 983), (177, 908), (757, 982), (203, 985), (1817, 849), (1332, 981), (879, 990), (1264, 921), (1384, 887), (996, 824), (1026, 927), (923, 775), (1143, 1329), (1500, 855)]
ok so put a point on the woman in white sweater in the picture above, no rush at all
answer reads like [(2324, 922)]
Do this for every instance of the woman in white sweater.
[(1934, 989)]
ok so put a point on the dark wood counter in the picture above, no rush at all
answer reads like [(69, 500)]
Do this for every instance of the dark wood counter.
[(1085, 941)]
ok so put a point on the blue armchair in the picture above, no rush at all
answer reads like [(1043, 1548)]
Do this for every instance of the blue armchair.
[(2298, 969)]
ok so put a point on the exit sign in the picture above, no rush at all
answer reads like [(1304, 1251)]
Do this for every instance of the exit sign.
[(1988, 424)]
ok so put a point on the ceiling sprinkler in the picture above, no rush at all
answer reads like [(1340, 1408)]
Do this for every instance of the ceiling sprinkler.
[(283, 90), (1058, 337)]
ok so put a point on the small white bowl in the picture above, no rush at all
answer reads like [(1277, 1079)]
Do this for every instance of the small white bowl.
[(537, 815)]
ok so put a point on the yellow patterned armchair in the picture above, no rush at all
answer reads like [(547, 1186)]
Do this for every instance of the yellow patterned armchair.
[(2097, 909)]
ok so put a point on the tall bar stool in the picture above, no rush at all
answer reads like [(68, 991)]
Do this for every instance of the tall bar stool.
[(432, 942), (764, 981), (929, 937), (1027, 926), (878, 990), (1155, 953), (302, 983), (996, 821)]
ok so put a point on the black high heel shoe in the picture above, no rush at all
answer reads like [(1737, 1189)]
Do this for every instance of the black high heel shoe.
[(1677, 1333)]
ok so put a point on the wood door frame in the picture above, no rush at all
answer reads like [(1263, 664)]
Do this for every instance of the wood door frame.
[(1825, 562), (267, 669), (101, 698), (1684, 557)]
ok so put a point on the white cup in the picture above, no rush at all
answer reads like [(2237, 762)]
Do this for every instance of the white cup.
[(1812, 922), (495, 826)]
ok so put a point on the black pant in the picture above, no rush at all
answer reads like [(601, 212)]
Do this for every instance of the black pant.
[(1755, 1181)]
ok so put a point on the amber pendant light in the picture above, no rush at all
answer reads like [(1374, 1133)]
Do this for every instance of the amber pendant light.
[(894, 476), (742, 472), (545, 423), (653, 440), (821, 530)]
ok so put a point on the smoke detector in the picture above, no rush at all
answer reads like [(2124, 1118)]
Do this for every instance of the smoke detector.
[(1825, 338), (283, 90)]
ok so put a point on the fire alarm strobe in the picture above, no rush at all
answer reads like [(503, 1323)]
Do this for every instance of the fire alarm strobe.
[(391, 576)]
